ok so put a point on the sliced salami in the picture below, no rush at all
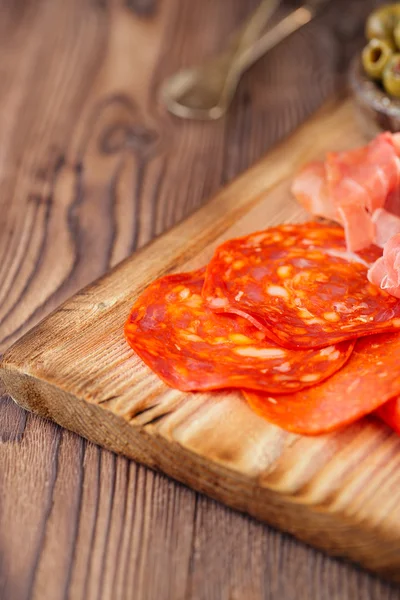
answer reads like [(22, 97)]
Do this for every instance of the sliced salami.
[(300, 285), (390, 413), (192, 348), (369, 379)]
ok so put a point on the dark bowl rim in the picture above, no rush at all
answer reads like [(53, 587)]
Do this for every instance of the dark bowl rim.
[(369, 92)]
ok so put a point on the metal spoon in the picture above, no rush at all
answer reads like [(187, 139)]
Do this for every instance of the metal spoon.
[(205, 92)]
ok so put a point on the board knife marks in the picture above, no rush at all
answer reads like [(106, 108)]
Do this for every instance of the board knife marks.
[(147, 392), (166, 404)]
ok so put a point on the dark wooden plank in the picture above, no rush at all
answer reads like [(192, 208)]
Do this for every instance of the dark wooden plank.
[(90, 168)]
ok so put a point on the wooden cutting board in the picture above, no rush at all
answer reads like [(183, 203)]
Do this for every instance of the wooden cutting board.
[(339, 492)]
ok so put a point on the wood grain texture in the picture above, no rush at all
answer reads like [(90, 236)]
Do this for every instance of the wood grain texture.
[(91, 168), (339, 492)]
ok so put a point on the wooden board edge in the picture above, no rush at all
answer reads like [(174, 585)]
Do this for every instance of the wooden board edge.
[(315, 525)]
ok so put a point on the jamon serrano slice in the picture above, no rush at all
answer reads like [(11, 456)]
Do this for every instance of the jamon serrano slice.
[(351, 186), (386, 226), (191, 348), (385, 272), (311, 190), (365, 175)]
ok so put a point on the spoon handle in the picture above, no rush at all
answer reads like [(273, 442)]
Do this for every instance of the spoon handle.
[(248, 33), (288, 25)]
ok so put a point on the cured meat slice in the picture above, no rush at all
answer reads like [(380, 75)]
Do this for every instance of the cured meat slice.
[(192, 348), (390, 413), (369, 379), (392, 202), (377, 274), (299, 285), (396, 142), (311, 191), (385, 272), (359, 230), (386, 226), (351, 186), (365, 175)]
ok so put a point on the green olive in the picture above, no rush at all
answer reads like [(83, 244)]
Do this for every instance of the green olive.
[(382, 22), (375, 57), (391, 76)]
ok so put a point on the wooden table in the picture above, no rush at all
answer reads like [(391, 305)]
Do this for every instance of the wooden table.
[(91, 168)]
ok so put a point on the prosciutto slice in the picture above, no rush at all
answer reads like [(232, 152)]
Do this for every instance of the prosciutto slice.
[(365, 175), (311, 190), (353, 188), (385, 272), (386, 225)]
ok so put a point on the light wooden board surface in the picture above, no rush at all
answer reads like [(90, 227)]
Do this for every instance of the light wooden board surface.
[(78, 522), (339, 492)]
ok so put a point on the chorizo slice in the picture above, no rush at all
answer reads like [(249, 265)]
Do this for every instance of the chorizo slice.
[(192, 348), (299, 284), (369, 379), (390, 413)]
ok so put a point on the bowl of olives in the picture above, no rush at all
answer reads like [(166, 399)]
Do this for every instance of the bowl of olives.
[(375, 73)]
